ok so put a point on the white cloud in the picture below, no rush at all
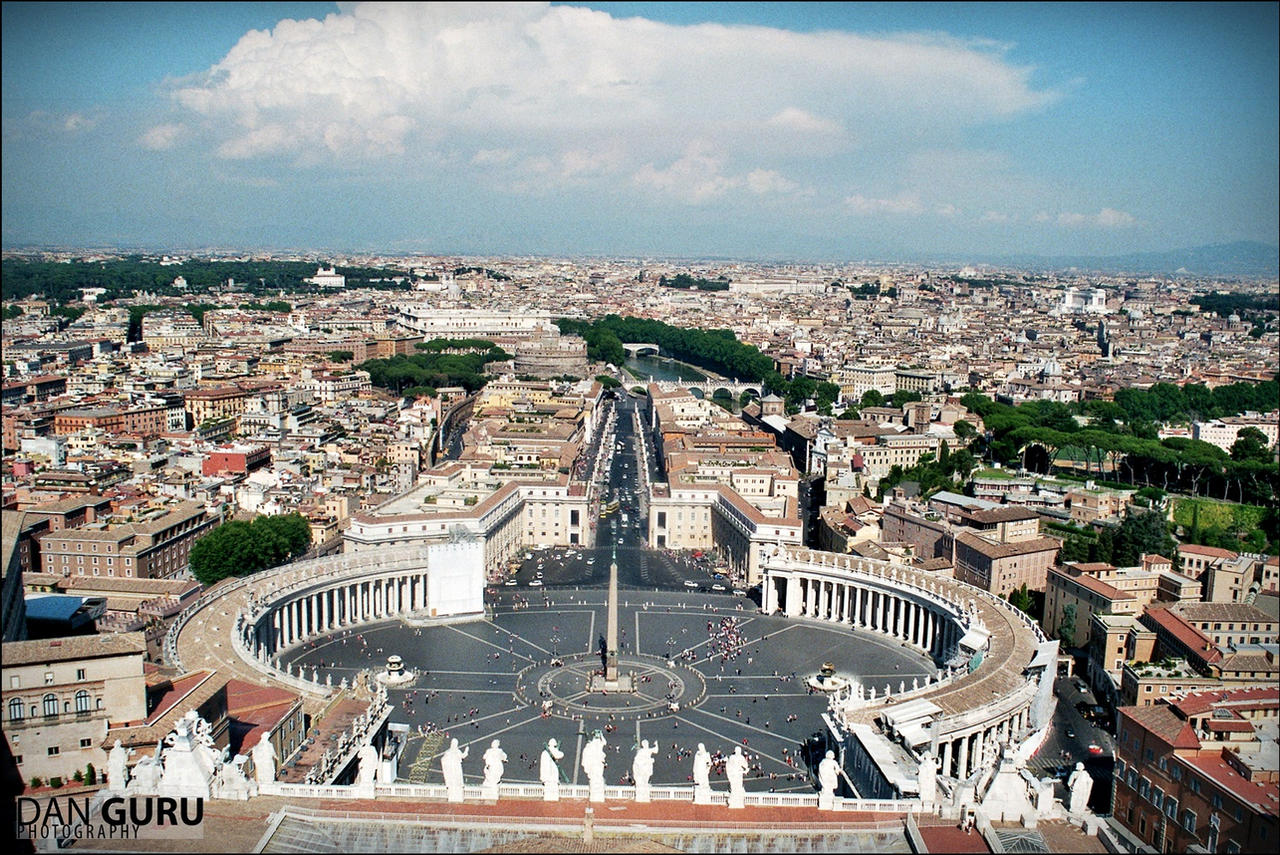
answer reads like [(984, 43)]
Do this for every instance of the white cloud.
[(1041, 217), (946, 210), (903, 203), (1111, 218), (161, 137), (795, 119), (695, 178), (382, 80), (76, 122), (1107, 218), (995, 217), (763, 181), (492, 156)]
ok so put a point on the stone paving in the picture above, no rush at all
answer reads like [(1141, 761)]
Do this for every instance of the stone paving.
[(477, 682)]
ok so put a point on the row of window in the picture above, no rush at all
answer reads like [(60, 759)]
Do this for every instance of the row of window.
[(51, 708)]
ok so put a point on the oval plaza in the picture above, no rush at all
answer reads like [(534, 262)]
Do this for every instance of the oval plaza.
[(991, 684)]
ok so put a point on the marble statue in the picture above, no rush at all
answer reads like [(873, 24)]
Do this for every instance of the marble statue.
[(593, 764), (927, 779), (736, 770), (231, 782), (1081, 785), (264, 760), (642, 769), (549, 772), (369, 761), (494, 760), (702, 775), (145, 780), (828, 780), (118, 768), (451, 768)]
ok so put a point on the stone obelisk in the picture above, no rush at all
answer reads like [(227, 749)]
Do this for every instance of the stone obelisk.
[(611, 680), (611, 632)]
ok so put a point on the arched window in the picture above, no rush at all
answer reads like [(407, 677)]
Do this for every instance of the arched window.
[(82, 701), (51, 705), (15, 709)]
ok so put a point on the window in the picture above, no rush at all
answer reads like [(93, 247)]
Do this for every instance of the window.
[(80, 673), (1144, 790), (50, 705), (53, 751), (15, 709), (1157, 798), (1177, 773), (86, 743), (48, 678), (15, 682), (1189, 820), (1171, 808), (82, 702)]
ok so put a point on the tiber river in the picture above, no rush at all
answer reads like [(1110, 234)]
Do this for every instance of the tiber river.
[(644, 367)]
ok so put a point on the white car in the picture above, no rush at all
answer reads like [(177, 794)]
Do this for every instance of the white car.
[(510, 582), (738, 592), (717, 587), (690, 584), (536, 583)]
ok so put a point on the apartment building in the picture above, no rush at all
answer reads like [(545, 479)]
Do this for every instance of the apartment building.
[(155, 546), (1002, 568), (1200, 774), (58, 696)]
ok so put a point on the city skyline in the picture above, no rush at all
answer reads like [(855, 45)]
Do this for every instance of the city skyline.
[(752, 130)]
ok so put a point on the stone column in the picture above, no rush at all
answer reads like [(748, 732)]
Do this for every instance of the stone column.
[(946, 756), (962, 759)]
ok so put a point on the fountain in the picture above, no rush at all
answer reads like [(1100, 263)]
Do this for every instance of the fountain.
[(395, 674), (826, 680)]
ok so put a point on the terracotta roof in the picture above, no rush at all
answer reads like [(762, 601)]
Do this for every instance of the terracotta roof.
[(1005, 550), (1162, 722), (1210, 551), (1191, 638), (73, 647), (1201, 702)]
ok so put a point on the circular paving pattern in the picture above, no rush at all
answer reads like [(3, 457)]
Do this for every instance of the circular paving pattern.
[(659, 688)]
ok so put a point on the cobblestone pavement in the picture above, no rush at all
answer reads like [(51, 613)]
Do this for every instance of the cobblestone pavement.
[(469, 682)]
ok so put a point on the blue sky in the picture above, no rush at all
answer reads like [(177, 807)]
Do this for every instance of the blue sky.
[(779, 130)]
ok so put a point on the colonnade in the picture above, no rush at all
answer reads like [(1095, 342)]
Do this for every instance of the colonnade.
[(965, 753), (342, 604), (896, 613)]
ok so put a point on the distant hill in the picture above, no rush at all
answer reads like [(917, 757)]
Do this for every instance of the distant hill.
[(1241, 258)]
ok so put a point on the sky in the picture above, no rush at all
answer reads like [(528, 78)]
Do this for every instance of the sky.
[(789, 131)]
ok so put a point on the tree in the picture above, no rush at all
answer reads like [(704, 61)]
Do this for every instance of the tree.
[(1250, 444), (608, 382), (964, 431), (1021, 599), (240, 548), (1067, 628), (871, 398), (902, 397), (341, 355)]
